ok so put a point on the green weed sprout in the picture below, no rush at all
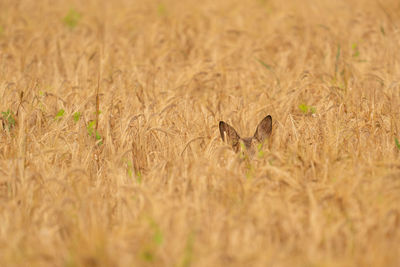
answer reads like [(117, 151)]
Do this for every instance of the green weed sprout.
[(72, 18)]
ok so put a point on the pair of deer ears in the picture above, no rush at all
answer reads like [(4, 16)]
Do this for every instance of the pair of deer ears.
[(263, 131)]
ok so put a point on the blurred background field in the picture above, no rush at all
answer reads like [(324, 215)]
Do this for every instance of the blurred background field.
[(110, 153)]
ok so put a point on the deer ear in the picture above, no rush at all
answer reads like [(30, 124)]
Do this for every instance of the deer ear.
[(228, 134), (264, 129)]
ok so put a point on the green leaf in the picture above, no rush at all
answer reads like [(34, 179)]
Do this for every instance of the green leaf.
[(338, 53), (148, 256), (249, 171), (188, 252), (60, 114), (92, 132), (138, 177), (268, 67), (397, 143), (9, 117), (337, 60), (161, 9), (72, 18), (77, 116), (356, 52), (98, 136), (303, 108), (260, 152), (242, 154), (90, 127), (271, 69), (158, 237), (382, 30), (307, 109)]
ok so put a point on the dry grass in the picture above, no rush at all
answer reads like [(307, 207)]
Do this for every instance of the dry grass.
[(158, 187)]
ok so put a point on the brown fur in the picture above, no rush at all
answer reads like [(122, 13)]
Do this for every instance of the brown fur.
[(229, 135)]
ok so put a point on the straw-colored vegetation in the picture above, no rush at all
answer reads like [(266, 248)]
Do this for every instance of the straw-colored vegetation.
[(110, 153)]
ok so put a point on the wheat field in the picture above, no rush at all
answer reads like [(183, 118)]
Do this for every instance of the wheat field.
[(110, 153)]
